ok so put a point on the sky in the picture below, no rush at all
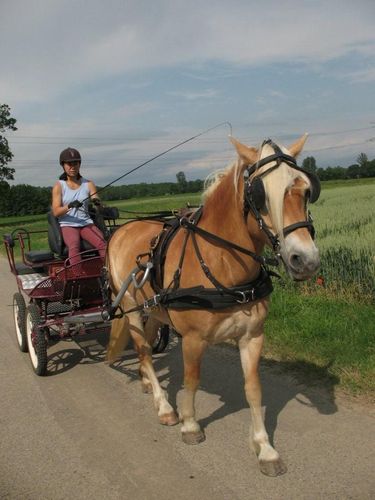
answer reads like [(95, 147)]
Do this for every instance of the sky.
[(124, 80)]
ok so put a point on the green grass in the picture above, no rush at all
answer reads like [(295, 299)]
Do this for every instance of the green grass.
[(328, 333), (157, 203), (9, 221), (344, 219), (348, 182)]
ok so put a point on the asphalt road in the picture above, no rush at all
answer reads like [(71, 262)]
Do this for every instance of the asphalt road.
[(87, 431)]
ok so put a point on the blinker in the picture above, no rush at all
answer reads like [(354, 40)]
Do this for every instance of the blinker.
[(257, 193), (315, 187)]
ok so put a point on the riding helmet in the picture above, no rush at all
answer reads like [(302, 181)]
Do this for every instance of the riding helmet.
[(69, 155)]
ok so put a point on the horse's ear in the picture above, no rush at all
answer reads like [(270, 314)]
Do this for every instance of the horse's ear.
[(297, 147), (249, 155)]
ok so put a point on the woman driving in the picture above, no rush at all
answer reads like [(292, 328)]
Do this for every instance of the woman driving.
[(70, 199)]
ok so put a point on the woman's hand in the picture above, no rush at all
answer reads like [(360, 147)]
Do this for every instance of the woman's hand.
[(75, 204)]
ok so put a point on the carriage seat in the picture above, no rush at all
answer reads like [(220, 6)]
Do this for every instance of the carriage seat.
[(39, 256), (56, 241), (105, 219)]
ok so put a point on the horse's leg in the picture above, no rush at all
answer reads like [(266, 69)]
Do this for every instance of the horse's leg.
[(193, 349), (150, 331), (269, 459), (166, 414), (118, 339)]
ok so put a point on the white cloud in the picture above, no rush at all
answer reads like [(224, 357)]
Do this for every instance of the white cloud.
[(53, 46), (363, 76), (192, 96)]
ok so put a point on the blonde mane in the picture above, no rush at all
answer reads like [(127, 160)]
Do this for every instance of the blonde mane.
[(213, 180)]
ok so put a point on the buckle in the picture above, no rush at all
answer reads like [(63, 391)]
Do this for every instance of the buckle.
[(153, 303), (246, 299)]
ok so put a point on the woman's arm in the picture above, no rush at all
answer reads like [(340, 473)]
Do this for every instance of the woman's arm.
[(58, 209), (92, 190)]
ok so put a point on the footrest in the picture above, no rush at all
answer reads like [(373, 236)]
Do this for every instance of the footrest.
[(30, 281), (23, 269)]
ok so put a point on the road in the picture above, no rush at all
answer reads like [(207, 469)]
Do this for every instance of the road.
[(86, 430)]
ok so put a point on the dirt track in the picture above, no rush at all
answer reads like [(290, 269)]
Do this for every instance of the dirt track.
[(87, 431)]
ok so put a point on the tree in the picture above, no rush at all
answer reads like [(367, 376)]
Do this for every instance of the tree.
[(182, 182), (362, 160), (309, 164), (353, 171), (6, 123)]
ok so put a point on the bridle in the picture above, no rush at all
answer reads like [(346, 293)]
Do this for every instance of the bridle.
[(255, 195)]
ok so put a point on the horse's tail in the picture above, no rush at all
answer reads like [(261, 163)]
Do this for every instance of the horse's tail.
[(118, 339)]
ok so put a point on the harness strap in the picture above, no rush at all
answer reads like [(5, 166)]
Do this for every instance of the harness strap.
[(208, 273), (199, 297), (273, 238), (289, 229), (210, 236), (177, 273)]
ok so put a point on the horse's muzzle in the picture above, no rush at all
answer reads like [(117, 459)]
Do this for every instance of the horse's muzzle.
[(303, 265)]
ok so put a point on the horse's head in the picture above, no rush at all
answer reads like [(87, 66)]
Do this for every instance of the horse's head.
[(276, 194)]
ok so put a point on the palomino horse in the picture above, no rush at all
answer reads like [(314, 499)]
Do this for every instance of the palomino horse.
[(262, 197)]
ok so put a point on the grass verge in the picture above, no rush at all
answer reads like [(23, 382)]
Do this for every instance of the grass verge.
[(327, 336)]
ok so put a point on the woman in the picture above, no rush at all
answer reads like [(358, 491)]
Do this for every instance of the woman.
[(70, 198)]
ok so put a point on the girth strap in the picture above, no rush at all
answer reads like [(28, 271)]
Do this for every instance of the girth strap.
[(200, 297)]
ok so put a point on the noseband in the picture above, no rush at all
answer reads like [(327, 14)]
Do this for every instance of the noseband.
[(255, 194)]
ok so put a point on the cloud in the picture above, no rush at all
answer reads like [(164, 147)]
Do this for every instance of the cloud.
[(123, 81), (52, 46), (192, 96), (362, 76)]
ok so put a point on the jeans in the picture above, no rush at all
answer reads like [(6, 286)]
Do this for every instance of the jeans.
[(72, 238)]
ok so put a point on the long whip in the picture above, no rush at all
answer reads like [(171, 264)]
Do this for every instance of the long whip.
[(162, 154)]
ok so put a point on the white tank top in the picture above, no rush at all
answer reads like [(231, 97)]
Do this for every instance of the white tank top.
[(76, 217)]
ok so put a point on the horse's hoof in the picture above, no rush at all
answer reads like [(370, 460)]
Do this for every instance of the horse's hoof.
[(272, 468), (169, 419), (146, 388), (193, 437)]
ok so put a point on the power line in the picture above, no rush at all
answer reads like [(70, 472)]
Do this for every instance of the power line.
[(226, 156), (124, 140)]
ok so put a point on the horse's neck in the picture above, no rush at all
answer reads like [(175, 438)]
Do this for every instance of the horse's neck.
[(223, 216)]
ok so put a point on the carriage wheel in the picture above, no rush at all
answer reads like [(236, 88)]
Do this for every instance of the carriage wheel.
[(36, 340), (19, 314), (161, 340)]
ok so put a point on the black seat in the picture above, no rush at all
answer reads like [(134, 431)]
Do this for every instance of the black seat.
[(56, 240), (105, 219)]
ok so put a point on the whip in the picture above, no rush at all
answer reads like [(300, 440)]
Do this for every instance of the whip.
[(162, 154)]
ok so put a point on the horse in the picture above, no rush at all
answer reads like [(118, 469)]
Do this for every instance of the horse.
[(260, 199)]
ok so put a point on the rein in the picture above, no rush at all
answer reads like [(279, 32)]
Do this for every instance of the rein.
[(191, 226)]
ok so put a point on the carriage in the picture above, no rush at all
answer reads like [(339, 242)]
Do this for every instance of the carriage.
[(58, 300), (203, 273)]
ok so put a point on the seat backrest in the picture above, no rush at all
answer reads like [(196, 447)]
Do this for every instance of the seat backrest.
[(56, 240), (100, 215)]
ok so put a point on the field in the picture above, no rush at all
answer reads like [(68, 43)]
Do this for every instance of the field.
[(325, 329)]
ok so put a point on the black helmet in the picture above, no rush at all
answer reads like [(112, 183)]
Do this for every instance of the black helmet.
[(69, 155)]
